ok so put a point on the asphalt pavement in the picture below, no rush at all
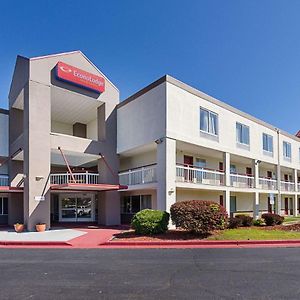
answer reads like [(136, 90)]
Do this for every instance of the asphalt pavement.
[(268, 273)]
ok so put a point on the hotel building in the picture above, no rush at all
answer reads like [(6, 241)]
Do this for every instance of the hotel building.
[(70, 151)]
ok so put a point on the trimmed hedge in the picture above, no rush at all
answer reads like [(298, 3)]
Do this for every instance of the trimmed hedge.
[(272, 219), (198, 216), (247, 221), (149, 221), (234, 223)]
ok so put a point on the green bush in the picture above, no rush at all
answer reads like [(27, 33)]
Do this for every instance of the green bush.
[(247, 221), (272, 219), (149, 221), (234, 223), (258, 222), (198, 216)]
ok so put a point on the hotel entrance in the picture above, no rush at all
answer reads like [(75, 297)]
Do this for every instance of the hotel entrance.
[(77, 208)]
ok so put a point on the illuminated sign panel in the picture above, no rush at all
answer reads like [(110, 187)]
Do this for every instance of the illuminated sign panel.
[(80, 78)]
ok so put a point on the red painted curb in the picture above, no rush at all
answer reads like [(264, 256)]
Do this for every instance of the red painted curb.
[(33, 243), (200, 243)]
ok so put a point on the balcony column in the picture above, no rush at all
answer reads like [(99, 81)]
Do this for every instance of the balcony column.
[(278, 197), (255, 166), (166, 173), (296, 180), (256, 206), (227, 201), (295, 205), (226, 162)]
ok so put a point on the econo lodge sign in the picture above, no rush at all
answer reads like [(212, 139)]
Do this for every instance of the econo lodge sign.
[(80, 78)]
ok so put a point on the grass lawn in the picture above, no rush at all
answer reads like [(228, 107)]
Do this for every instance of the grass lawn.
[(291, 219), (254, 233)]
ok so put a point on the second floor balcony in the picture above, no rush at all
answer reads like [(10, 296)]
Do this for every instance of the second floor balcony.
[(82, 178), (141, 175), (191, 174), (287, 186)]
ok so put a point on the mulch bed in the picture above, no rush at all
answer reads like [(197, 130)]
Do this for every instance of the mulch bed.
[(170, 235), (181, 235)]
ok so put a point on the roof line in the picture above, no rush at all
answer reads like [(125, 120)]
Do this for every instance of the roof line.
[(196, 92), (143, 91), (55, 54), (72, 52), (4, 111)]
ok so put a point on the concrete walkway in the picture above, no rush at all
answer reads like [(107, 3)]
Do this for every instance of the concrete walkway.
[(56, 235)]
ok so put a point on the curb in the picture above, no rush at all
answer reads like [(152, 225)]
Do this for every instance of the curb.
[(201, 243), (34, 243)]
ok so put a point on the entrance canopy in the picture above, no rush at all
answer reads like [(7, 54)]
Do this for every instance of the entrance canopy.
[(100, 187), (10, 189)]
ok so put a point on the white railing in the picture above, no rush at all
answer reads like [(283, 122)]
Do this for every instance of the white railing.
[(267, 183), (287, 186), (3, 180), (243, 181), (199, 175), (84, 178), (140, 175)]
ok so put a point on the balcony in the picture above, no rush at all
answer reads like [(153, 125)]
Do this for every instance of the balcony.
[(287, 186), (142, 175), (266, 183), (241, 180), (196, 175), (3, 180), (82, 178)]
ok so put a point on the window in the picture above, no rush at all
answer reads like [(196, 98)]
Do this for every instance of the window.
[(267, 142), (233, 169), (133, 204), (200, 163), (287, 150), (3, 206), (242, 133), (208, 121)]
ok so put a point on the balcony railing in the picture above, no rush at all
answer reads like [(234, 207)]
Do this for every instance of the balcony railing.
[(243, 181), (3, 180), (142, 175), (199, 175), (65, 178), (287, 186), (267, 183)]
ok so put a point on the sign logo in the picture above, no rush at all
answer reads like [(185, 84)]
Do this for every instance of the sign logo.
[(81, 78)]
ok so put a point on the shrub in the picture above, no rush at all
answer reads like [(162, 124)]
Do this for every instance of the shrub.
[(198, 216), (149, 221), (234, 223), (258, 222), (272, 219), (247, 221)]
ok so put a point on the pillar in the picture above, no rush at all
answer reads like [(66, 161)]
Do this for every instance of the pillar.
[(226, 162), (37, 126), (295, 205), (296, 180), (255, 167), (256, 206), (227, 201), (109, 201), (166, 173)]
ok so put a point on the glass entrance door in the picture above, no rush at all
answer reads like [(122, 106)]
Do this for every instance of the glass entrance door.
[(79, 208)]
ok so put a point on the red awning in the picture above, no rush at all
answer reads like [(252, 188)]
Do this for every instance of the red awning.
[(10, 189), (88, 187)]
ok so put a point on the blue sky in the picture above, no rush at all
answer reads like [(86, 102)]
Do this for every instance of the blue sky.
[(245, 53)]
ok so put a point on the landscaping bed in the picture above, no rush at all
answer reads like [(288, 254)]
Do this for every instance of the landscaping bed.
[(279, 232)]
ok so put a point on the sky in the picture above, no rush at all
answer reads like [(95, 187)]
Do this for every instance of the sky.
[(245, 53)]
